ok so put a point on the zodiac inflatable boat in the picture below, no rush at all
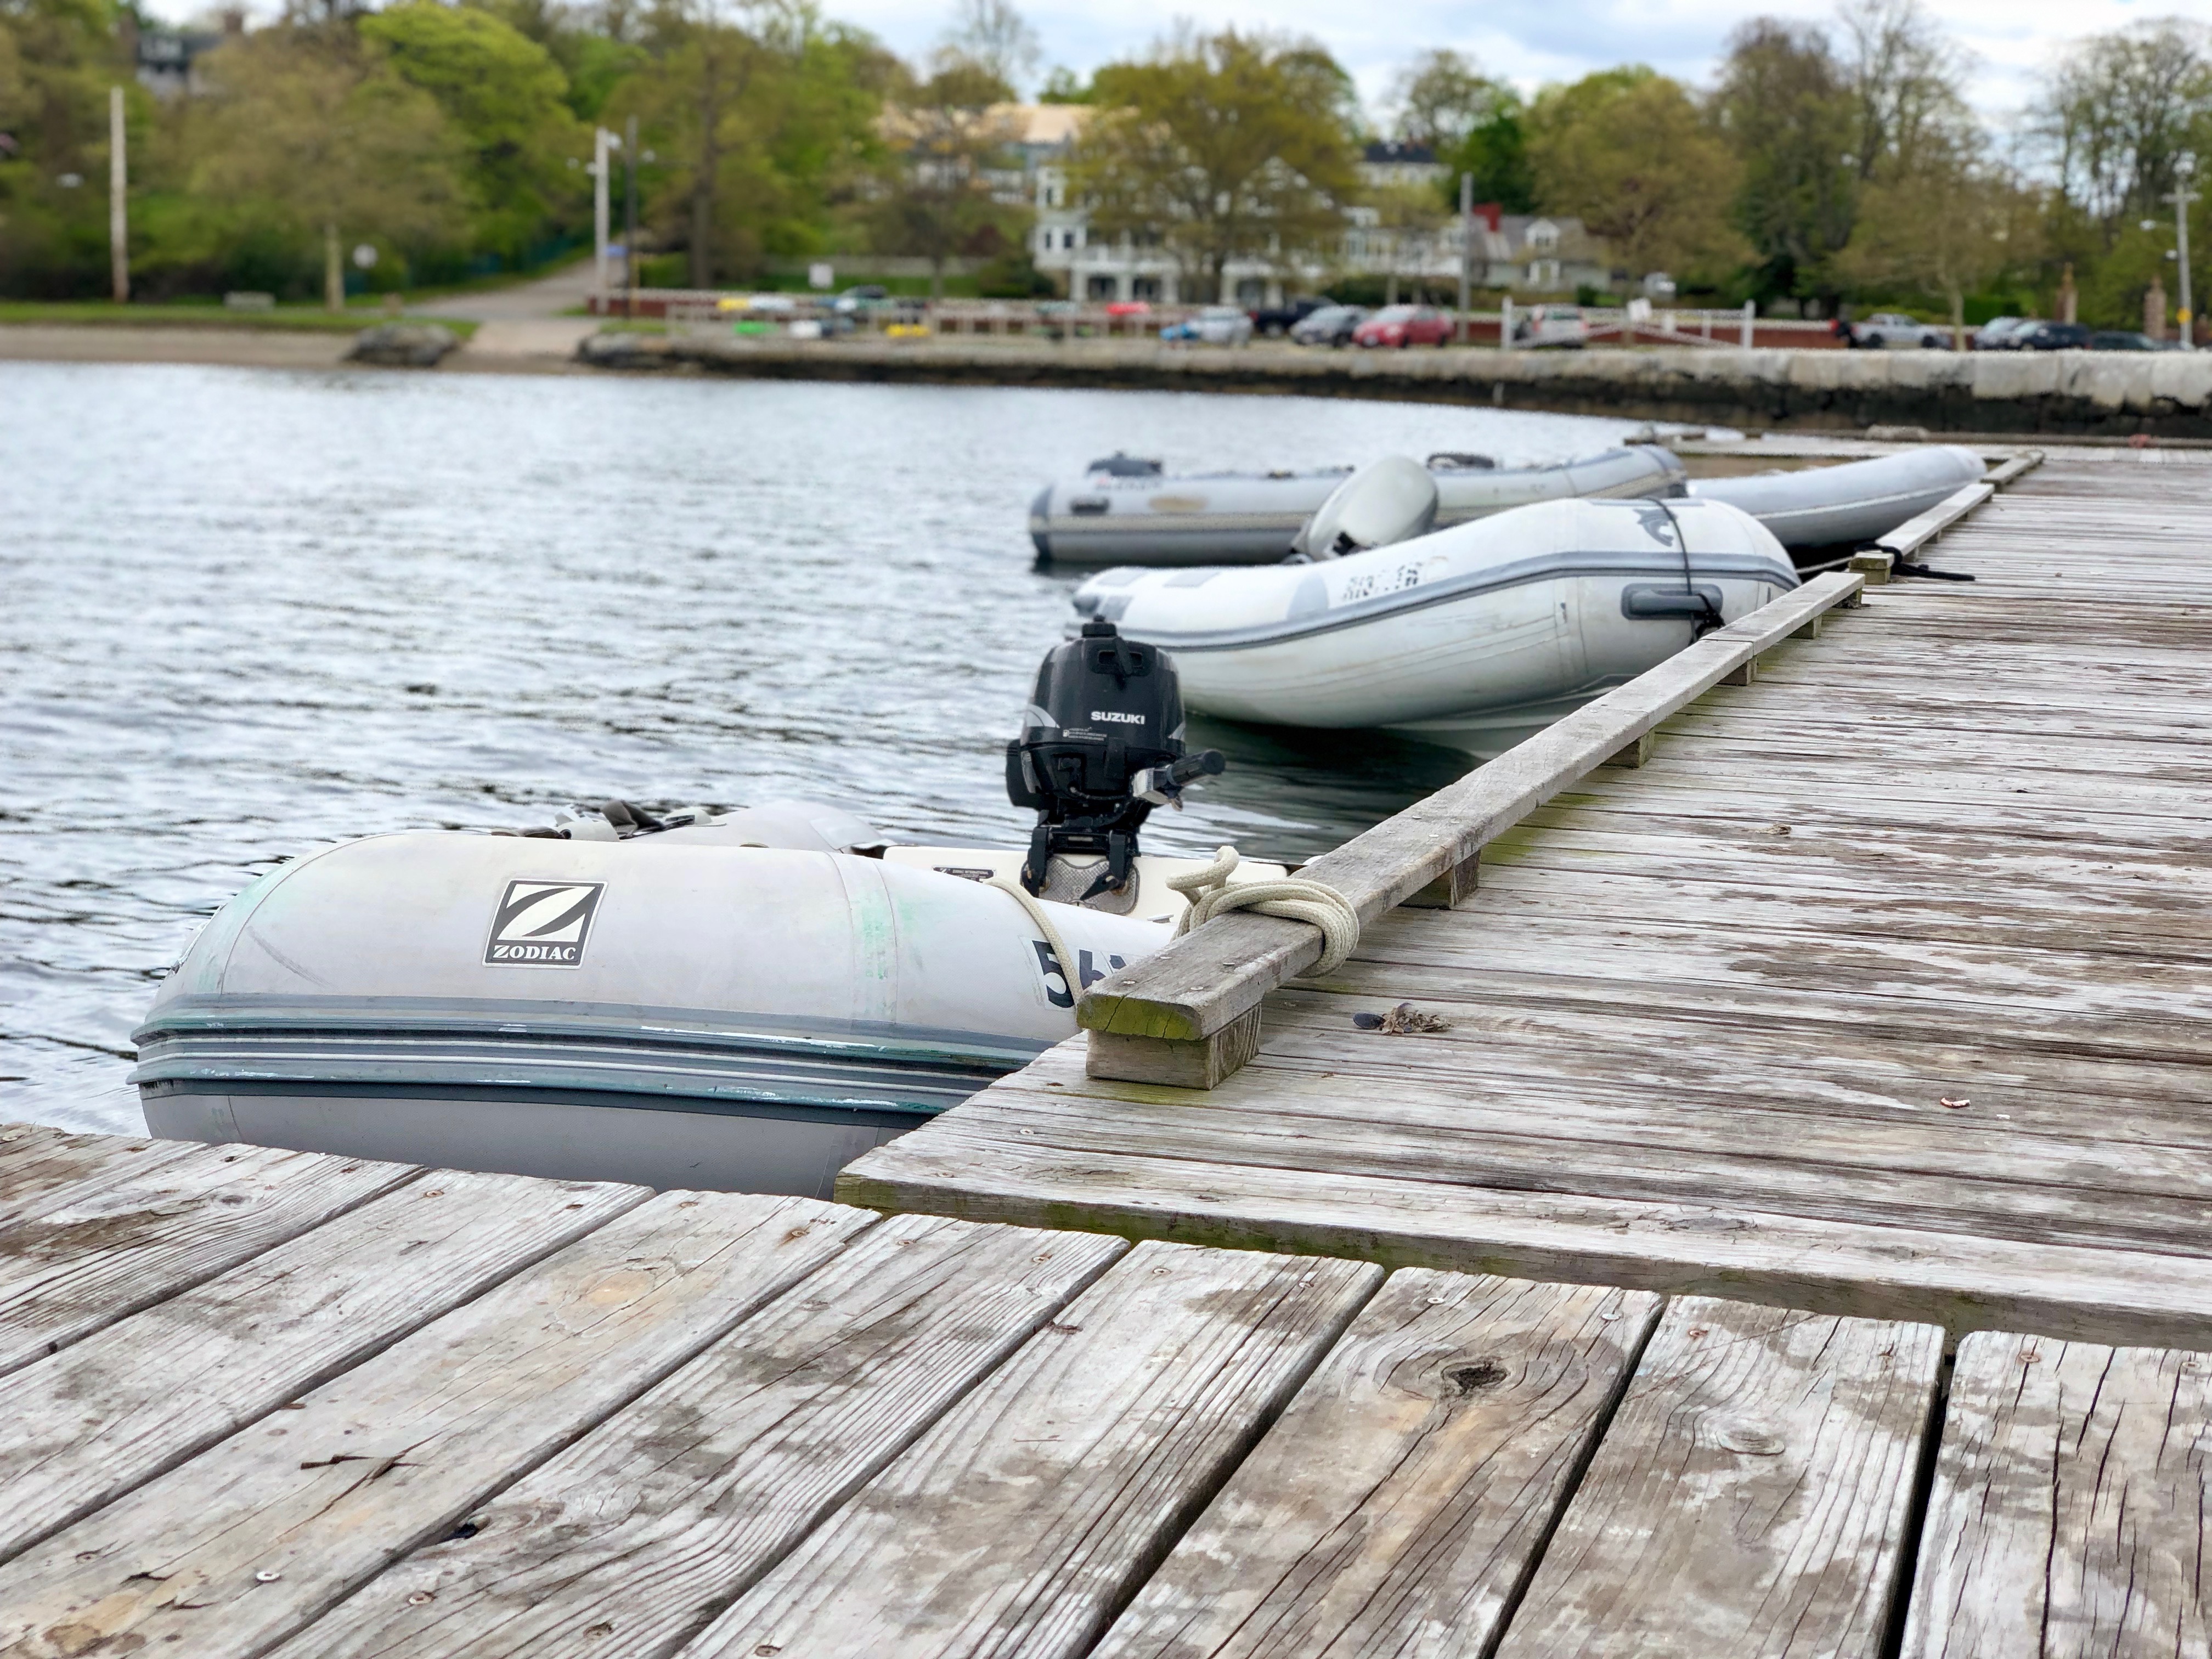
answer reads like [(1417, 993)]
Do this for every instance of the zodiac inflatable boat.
[(1475, 636), (747, 1000), (1127, 511), (1851, 503)]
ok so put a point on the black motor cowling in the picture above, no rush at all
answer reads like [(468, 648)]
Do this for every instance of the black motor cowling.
[(1101, 745)]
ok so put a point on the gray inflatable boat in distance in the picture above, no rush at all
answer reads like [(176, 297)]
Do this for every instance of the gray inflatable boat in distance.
[(1127, 511), (1849, 504)]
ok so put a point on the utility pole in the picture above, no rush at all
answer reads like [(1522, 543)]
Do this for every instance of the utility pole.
[(602, 142), (2184, 166), (118, 219), (630, 226), (1466, 252)]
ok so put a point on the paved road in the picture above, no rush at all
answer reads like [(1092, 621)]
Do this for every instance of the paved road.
[(548, 297)]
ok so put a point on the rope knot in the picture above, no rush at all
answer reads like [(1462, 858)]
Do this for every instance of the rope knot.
[(1294, 898)]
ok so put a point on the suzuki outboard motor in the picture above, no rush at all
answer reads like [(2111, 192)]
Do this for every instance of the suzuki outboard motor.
[(1101, 745)]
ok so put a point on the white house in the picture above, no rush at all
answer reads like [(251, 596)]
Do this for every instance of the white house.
[(1517, 252)]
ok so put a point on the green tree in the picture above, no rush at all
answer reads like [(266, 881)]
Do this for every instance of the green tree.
[(765, 129), (1784, 108), (946, 135), (1219, 146), (310, 134), (58, 58), (1947, 228), (1473, 123), (1629, 153), (507, 98)]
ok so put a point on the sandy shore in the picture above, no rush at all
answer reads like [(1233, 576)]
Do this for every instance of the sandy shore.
[(533, 346)]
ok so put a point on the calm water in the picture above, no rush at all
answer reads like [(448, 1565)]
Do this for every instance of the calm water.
[(243, 612)]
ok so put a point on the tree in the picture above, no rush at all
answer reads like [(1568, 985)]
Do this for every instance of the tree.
[(2117, 111), (766, 130), (309, 134), (505, 97), (947, 134), (1947, 227), (995, 38), (58, 58), (1784, 108), (1221, 146), (1628, 153), (1908, 113), (1442, 97)]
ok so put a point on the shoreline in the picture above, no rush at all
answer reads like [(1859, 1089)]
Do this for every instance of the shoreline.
[(2100, 397)]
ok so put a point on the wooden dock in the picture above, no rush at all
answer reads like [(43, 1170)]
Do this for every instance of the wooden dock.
[(1872, 980), (268, 1403)]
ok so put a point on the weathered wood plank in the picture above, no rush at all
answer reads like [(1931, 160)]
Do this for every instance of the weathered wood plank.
[(41, 1166), (643, 1532), (1526, 1137), (1202, 982), (247, 1542), (2069, 1506), (135, 1398), (125, 1243), (1022, 1523), (1694, 1248), (1750, 1496), (1399, 1502)]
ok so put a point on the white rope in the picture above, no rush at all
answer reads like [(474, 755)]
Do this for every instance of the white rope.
[(1030, 902), (1292, 896)]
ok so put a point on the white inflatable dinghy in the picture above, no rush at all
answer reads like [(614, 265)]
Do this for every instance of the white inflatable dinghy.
[(1476, 636), (740, 1001), (1849, 504), (1127, 511)]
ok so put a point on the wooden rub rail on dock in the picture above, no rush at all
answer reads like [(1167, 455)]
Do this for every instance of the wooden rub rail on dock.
[(1878, 989), (322, 1408)]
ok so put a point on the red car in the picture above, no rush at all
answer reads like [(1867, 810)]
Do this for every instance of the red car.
[(1403, 326)]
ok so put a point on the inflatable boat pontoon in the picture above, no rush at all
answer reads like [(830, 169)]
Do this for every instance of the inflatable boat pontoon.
[(1850, 503), (1126, 511), (1476, 636), (745, 1001)]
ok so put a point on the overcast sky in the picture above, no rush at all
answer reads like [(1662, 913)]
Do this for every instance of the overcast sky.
[(1526, 41), (1533, 41)]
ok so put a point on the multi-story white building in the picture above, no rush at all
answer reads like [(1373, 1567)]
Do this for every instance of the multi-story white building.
[(1523, 253)]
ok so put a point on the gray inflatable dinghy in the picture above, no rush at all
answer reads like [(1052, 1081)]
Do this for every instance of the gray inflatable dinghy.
[(1127, 511), (747, 1001), (1850, 504)]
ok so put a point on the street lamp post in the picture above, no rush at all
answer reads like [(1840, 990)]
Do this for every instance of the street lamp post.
[(1466, 252), (2184, 166), (629, 216), (602, 142)]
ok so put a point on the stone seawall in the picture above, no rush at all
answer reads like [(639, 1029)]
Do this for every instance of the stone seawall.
[(2168, 394)]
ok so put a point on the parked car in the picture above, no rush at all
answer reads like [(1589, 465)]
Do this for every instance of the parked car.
[(862, 296), (1129, 308), (1885, 329), (1998, 334), (2128, 339), (1215, 326), (1331, 326), (1283, 318), (1552, 325), (2051, 337), (1403, 326)]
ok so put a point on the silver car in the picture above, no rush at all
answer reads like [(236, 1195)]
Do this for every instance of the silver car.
[(1885, 329), (1215, 326)]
